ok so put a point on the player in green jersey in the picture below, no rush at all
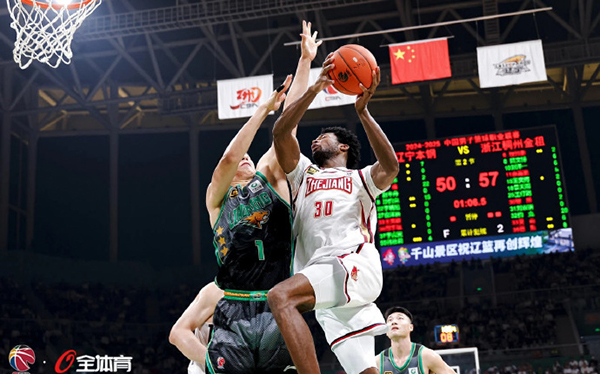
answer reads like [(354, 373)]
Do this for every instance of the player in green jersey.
[(404, 356)]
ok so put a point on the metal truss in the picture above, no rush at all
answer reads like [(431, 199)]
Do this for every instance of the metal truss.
[(206, 13), (138, 68), (166, 81)]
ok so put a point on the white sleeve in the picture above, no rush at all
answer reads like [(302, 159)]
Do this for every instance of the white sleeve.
[(295, 176), (365, 175)]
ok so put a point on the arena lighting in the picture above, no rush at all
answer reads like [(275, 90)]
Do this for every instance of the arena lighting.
[(430, 25)]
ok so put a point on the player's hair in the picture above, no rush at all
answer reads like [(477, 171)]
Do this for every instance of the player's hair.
[(398, 309), (345, 136)]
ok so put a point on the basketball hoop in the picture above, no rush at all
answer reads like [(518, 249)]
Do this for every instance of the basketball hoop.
[(45, 29)]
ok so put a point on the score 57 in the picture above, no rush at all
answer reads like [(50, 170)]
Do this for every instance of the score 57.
[(486, 179)]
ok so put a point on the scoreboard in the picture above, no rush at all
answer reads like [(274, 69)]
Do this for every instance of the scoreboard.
[(446, 334), (484, 195)]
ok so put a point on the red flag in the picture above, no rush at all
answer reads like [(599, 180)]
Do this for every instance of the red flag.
[(420, 61)]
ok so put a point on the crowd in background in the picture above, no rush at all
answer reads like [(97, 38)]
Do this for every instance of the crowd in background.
[(114, 320), (580, 365)]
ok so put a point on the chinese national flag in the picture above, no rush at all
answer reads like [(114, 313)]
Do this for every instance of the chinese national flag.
[(420, 61)]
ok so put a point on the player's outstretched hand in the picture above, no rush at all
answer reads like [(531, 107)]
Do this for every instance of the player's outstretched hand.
[(309, 42), (323, 81), (278, 96), (365, 96)]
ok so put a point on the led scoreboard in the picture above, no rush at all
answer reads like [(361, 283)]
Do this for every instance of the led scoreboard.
[(494, 194), (446, 334)]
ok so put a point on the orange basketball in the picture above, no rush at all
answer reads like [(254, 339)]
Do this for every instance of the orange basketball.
[(353, 65)]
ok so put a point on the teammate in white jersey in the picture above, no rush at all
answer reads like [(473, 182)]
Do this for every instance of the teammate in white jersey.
[(203, 335), (337, 267), (190, 333)]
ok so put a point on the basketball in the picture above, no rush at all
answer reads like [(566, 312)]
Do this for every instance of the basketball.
[(353, 65)]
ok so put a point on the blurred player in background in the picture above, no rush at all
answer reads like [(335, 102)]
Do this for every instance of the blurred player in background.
[(337, 270), (191, 332), (251, 218), (404, 356)]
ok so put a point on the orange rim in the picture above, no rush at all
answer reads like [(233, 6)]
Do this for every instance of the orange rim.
[(56, 6)]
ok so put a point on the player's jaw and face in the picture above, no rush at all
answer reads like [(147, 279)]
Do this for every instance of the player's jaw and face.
[(399, 325), (325, 147), (246, 169)]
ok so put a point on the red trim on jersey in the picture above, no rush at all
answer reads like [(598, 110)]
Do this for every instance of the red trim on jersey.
[(360, 246), (370, 233), (365, 224), (369, 224), (346, 279), (354, 333), (362, 178)]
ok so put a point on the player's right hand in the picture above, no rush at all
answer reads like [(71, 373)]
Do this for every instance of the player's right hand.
[(367, 94), (278, 96)]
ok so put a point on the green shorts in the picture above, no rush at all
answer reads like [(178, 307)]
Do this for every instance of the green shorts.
[(246, 339)]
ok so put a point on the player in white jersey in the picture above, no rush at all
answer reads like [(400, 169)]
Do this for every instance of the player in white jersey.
[(203, 335), (337, 267), (190, 333), (317, 194)]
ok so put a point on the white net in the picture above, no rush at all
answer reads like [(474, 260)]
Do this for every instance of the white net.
[(45, 29)]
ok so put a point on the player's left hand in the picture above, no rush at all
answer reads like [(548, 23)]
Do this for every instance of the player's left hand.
[(324, 81), (365, 96), (309, 42), (278, 96)]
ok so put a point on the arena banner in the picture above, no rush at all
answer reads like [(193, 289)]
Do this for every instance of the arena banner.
[(529, 243), (239, 98), (508, 64), (329, 96)]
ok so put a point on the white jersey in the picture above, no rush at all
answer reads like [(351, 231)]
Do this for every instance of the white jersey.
[(334, 210), (202, 334)]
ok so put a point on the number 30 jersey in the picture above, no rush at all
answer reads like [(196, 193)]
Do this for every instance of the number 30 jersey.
[(253, 237), (334, 210)]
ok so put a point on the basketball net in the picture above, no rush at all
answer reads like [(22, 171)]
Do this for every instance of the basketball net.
[(45, 29)]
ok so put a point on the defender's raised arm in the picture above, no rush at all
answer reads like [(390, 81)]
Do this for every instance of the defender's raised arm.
[(239, 145)]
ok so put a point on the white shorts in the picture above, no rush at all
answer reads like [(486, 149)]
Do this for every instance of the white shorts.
[(352, 362), (345, 288), (194, 368)]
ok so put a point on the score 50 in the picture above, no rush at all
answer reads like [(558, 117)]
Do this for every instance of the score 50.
[(486, 179)]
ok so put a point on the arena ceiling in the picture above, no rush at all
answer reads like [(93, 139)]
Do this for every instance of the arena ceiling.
[(152, 65)]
